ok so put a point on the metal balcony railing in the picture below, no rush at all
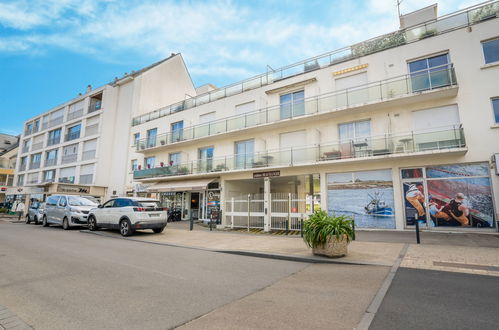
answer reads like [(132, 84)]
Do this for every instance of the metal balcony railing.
[(33, 181), (50, 162), (25, 149), (75, 114), (447, 23), (67, 179), (72, 136), (382, 145), (87, 155), (94, 106), (48, 180), (37, 146), (86, 179), (28, 132), (22, 167), (406, 85), (91, 129), (69, 158), (34, 165), (54, 140)]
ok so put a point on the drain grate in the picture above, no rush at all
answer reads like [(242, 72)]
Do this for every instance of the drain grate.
[(468, 266)]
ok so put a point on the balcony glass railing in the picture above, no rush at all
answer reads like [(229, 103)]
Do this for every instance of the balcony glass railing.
[(443, 24), (37, 146), (34, 165), (50, 162), (72, 136), (75, 114), (425, 80), (94, 106), (53, 140), (387, 144), (69, 159)]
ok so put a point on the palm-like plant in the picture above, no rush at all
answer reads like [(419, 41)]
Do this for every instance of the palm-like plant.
[(320, 227)]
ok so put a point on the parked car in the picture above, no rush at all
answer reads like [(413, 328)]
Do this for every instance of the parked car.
[(35, 212), (67, 210), (129, 214)]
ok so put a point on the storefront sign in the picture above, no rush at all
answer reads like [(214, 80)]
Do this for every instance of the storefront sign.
[(23, 190), (266, 174), (73, 189)]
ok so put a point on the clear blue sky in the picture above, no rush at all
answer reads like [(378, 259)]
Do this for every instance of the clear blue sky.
[(50, 50)]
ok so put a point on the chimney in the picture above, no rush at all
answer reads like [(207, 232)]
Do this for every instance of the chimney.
[(89, 88)]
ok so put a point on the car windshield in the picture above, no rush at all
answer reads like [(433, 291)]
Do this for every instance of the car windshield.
[(148, 203), (91, 198), (80, 201)]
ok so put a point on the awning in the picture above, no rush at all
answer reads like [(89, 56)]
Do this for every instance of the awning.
[(185, 185)]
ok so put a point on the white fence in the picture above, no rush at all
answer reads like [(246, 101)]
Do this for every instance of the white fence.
[(285, 212)]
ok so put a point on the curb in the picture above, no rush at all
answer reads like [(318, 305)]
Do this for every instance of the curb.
[(9, 320), (275, 256)]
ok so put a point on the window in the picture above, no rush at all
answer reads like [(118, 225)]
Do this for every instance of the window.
[(244, 151), (177, 129), (491, 50), (49, 176), (355, 131), (63, 201), (122, 202), (20, 179), (135, 165), (205, 158), (36, 125), (136, 139), (292, 104), (495, 107), (175, 158), (431, 72), (109, 204), (36, 158), (54, 137), (53, 200), (151, 137), (29, 128), (149, 162), (24, 160), (51, 157), (73, 132)]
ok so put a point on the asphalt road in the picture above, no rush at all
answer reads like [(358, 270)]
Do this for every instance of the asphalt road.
[(55, 279), (427, 299)]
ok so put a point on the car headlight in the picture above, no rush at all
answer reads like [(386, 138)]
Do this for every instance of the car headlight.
[(75, 210)]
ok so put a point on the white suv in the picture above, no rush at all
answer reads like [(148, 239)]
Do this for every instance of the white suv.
[(128, 214)]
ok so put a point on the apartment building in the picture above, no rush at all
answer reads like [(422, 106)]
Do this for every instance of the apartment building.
[(8, 154), (81, 146), (399, 129)]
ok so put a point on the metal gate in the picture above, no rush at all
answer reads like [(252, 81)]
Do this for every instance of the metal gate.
[(285, 212)]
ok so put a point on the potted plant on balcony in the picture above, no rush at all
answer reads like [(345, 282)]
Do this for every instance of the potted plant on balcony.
[(219, 168), (183, 170), (328, 235)]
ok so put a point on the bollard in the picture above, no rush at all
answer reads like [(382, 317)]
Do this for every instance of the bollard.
[(211, 220), (353, 227), (191, 223), (417, 232), (301, 227)]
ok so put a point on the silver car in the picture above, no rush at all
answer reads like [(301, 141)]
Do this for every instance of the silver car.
[(35, 212), (67, 210)]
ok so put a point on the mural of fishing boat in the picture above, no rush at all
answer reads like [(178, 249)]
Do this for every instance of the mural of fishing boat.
[(378, 207)]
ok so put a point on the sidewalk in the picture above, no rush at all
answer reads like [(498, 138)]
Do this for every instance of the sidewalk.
[(463, 252)]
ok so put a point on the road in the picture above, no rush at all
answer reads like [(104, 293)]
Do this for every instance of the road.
[(55, 279)]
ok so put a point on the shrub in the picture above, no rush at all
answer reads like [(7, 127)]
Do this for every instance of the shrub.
[(320, 227)]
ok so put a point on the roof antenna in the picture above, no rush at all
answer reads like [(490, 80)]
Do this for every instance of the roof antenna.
[(398, 6)]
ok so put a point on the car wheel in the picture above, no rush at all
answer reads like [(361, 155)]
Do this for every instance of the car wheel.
[(92, 223), (126, 227), (28, 220), (44, 221), (158, 230), (65, 224)]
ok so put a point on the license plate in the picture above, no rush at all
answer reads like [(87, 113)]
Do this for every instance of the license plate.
[(154, 215)]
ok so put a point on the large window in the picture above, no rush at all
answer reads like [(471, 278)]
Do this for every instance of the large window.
[(149, 162), (49, 176), (54, 137), (177, 129), (244, 151), (51, 157), (151, 137), (495, 107), (73, 132), (357, 131), (20, 180), (431, 72), (136, 139), (491, 50), (205, 159), (175, 158), (135, 165), (292, 104)]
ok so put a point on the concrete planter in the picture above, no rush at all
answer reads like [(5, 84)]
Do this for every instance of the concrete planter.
[(334, 248)]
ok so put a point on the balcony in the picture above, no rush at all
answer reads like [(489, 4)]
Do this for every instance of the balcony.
[(53, 122), (88, 155), (34, 165), (67, 179), (94, 106), (32, 181), (25, 149), (37, 146), (48, 180), (387, 145), (416, 83), (441, 25), (28, 131), (69, 159), (86, 179), (91, 129), (72, 136), (22, 167), (75, 114), (50, 162), (53, 141)]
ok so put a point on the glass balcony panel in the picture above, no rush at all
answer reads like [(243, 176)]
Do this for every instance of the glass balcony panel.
[(395, 88), (218, 127), (252, 84), (233, 90), (218, 94), (201, 131), (310, 106), (341, 100), (358, 96), (253, 119), (440, 77), (374, 92), (202, 99), (327, 103), (235, 123)]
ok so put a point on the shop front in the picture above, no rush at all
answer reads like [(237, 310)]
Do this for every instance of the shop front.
[(189, 199)]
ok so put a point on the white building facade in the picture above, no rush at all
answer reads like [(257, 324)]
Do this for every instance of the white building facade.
[(399, 129)]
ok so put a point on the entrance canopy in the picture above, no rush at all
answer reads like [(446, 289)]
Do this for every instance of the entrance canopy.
[(185, 185)]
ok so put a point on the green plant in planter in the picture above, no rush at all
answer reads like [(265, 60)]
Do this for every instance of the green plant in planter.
[(428, 33), (328, 235)]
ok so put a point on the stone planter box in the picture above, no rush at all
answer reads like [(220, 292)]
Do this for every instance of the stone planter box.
[(334, 248)]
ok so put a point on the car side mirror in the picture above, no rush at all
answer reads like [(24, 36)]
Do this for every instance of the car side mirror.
[(99, 206)]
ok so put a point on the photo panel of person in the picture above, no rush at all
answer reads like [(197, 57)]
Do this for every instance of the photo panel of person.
[(414, 202), (365, 195)]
